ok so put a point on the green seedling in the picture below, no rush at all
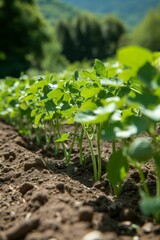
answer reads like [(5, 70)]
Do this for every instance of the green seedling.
[(115, 101)]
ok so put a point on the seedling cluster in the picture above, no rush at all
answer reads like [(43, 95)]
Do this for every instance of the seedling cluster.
[(116, 101)]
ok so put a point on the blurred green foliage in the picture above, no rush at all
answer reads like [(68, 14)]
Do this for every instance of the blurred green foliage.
[(23, 32), (31, 44), (147, 33), (131, 12), (87, 37)]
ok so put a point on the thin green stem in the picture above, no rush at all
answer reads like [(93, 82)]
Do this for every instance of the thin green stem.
[(63, 145), (158, 186), (47, 137), (93, 158), (143, 180), (99, 151), (80, 141), (73, 141), (56, 145)]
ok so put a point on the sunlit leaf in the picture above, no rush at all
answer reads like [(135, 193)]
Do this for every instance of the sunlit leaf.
[(140, 149), (134, 56), (64, 137), (100, 68), (89, 92), (98, 115), (117, 169), (153, 114)]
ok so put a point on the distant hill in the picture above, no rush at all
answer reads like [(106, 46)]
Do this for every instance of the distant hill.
[(131, 12), (53, 10)]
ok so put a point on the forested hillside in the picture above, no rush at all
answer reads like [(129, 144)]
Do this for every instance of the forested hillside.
[(131, 12), (54, 10)]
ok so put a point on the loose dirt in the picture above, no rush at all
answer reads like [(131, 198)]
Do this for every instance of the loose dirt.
[(43, 199)]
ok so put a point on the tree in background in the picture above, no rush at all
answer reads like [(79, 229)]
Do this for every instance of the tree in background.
[(112, 31), (147, 34), (23, 32), (87, 34), (67, 39), (86, 37)]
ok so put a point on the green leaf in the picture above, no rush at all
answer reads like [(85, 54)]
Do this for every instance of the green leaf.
[(48, 88), (134, 56), (56, 94), (100, 68), (90, 75), (34, 112), (117, 169), (36, 86), (140, 149), (147, 74), (23, 106), (127, 113), (108, 133), (76, 74), (89, 92), (96, 116), (123, 91), (150, 206), (126, 74), (65, 105), (73, 88), (111, 82), (153, 114), (125, 132), (138, 121), (64, 137), (87, 105), (145, 99), (50, 106), (38, 118)]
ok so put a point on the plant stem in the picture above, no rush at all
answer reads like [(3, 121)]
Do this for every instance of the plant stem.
[(158, 185), (47, 137), (56, 145), (143, 180), (63, 145), (80, 141), (99, 151), (73, 141), (93, 158)]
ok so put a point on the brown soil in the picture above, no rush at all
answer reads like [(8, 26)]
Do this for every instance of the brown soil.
[(43, 199)]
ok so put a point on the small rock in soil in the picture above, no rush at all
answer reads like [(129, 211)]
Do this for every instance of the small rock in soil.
[(136, 238), (36, 162), (7, 169), (25, 187), (147, 227), (17, 174), (95, 235), (115, 209), (127, 227), (48, 234), (41, 197), (97, 185), (60, 186), (21, 230), (127, 214), (10, 154), (135, 176), (2, 179), (86, 213)]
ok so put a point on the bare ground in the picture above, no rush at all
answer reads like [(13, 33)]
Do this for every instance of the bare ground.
[(43, 199)]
